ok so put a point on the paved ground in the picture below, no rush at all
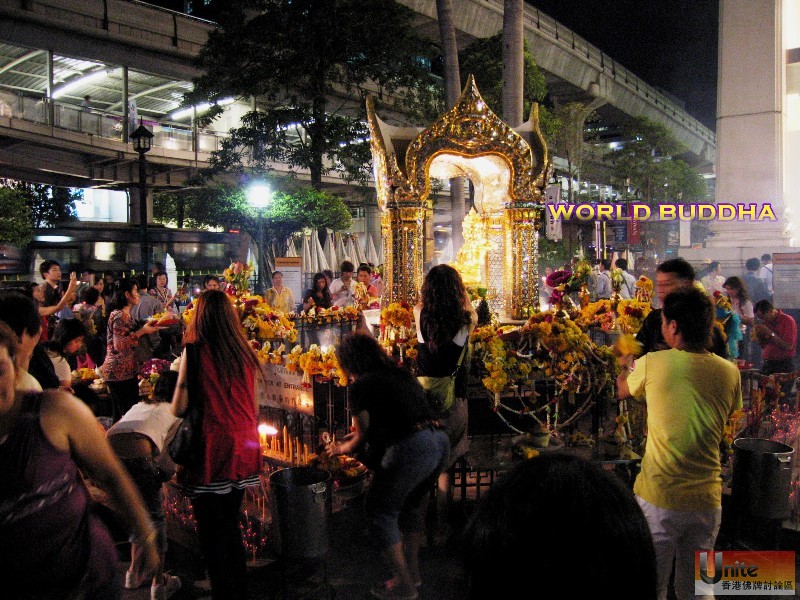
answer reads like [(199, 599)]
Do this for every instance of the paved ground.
[(352, 567)]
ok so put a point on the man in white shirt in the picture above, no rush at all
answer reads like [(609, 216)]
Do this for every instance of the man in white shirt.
[(603, 287), (628, 281), (713, 280), (342, 289), (766, 271)]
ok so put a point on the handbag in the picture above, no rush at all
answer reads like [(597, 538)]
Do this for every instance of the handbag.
[(186, 448), (441, 391)]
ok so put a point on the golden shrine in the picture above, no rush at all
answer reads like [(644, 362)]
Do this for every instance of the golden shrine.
[(508, 168)]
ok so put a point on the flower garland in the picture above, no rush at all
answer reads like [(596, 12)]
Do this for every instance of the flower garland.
[(631, 314), (259, 320), (238, 276), (313, 362), (328, 316), (363, 299), (551, 346), (563, 351), (397, 314), (503, 366), (643, 289)]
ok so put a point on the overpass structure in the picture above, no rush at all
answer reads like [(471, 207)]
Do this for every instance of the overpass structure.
[(135, 61)]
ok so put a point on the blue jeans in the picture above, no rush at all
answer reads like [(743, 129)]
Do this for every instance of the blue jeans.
[(402, 483)]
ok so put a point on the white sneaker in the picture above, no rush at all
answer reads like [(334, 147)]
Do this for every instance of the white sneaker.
[(161, 591)]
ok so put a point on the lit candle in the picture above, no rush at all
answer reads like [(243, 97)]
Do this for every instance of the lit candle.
[(262, 436)]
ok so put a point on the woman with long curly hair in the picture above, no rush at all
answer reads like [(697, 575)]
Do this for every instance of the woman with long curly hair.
[(226, 373), (444, 318)]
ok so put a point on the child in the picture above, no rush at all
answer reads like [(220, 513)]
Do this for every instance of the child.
[(139, 438)]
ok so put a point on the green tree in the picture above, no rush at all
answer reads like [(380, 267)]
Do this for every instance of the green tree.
[(649, 164), (48, 206), (304, 208), (226, 206), (483, 59), (568, 138), (306, 61), (219, 205), (15, 220)]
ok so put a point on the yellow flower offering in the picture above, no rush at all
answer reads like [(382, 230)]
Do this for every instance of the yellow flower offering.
[(627, 345)]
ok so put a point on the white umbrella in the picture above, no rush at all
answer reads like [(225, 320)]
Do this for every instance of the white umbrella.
[(341, 251), (372, 255), (351, 251), (314, 255), (172, 272), (362, 258), (306, 254), (330, 251), (322, 261), (290, 247)]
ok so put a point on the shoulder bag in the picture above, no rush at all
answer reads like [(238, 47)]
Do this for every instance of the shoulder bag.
[(186, 448), (441, 391)]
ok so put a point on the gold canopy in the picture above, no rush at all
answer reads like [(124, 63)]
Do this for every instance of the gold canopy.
[(508, 169)]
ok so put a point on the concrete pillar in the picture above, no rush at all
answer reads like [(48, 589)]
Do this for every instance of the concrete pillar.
[(133, 205), (751, 118)]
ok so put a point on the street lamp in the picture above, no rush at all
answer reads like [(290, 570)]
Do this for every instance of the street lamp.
[(259, 196), (142, 140)]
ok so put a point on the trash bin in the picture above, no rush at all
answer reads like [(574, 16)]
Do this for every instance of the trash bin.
[(762, 475), (301, 501)]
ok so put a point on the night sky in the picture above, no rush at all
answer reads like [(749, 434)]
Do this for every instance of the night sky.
[(671, 44)]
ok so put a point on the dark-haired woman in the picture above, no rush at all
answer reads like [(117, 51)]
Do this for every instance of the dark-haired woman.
[(405, 449), (66, 341), (92, 313), (52, 543), (232, 453), (444, 318), (120, 368), (742, 306), (319, 295)]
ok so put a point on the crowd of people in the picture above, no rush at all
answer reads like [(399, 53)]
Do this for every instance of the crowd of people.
[(673, 510)]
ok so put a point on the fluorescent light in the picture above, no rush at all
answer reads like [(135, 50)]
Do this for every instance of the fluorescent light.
[(200, 108), (54, 238), (75, 83)]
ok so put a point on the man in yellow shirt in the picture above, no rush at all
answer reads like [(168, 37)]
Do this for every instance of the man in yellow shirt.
[(690, 394)]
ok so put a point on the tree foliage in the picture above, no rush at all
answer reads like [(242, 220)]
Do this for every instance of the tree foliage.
[(649, 161), (16, 226), (47, 205), (303, 208), (309, 63), (225, 205), (483, 59)]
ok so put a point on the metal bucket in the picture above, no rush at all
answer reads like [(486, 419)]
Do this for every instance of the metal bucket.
[(300, 501), (762, 475)]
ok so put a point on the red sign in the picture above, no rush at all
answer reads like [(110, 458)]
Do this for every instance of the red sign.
[(634, 232)]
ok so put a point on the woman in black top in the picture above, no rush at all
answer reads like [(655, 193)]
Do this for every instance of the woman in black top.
[(319, 295), (405, 449)]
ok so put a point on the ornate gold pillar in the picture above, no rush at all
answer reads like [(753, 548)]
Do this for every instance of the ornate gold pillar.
[(523, 220), (403, 229), (496, 279)]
